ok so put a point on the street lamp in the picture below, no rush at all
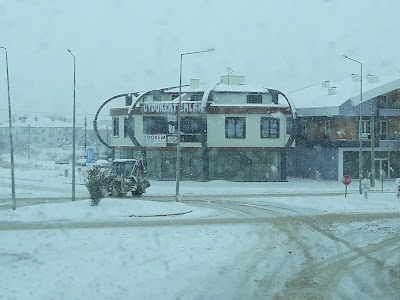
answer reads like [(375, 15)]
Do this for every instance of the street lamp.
[(178, 142), (360, 163), (73, 136), (14, 204)]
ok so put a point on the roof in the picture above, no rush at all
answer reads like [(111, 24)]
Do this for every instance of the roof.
[(316, 96), (220, 87), (39, 122)]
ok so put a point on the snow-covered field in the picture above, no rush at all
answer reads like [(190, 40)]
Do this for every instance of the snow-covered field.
[(321, 245)]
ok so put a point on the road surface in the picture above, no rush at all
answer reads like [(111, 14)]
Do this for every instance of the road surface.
[(292, 253)]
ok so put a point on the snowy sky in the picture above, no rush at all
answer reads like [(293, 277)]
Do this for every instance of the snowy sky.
[(123, 46)]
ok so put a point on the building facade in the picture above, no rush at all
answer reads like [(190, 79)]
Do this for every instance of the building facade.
[(229, 131), (328, 136), (36, 132)]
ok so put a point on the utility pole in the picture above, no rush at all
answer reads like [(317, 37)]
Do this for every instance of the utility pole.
[(360, 125), (29, 141), (13, 196), (372, 144), (73, 130), (85, 134)]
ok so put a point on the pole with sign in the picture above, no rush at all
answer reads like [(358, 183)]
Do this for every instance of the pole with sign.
[(346, 181), (89, 157)]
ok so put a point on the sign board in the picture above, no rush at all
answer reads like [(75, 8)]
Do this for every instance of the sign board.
[(346, 179), (172, 139), (89, 157), (155, 138), (159, 107)]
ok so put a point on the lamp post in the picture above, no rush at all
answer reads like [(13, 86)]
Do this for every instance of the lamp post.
[(73, 135), (14, 203), (360, 163), (178, 142)]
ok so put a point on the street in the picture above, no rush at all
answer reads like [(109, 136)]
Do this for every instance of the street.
[(244, 250)]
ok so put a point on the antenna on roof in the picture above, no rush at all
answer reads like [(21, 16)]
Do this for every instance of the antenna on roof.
[(229, 71)]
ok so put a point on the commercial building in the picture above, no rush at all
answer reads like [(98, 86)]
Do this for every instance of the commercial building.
[(229, 131), (327, 140)]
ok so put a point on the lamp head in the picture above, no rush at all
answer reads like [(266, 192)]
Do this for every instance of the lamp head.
[(69, 50), (345, 56), (211, 49)]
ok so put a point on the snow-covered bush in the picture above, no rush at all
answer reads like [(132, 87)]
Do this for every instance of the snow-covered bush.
[(97, 181)]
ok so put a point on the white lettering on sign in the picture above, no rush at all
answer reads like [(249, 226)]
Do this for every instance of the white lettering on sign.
[(157, 107), (155, 138)]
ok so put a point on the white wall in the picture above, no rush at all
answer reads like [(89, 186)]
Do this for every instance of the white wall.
[(216, 132), (237, 98)]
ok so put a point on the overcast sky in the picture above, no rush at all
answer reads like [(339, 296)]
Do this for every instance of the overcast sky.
[(130, 45)]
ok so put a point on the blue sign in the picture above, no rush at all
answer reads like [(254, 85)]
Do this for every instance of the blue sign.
[(89, 156)]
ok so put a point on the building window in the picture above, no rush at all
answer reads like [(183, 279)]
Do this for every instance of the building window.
[(174, 96), (328, 128), (126, 127), (365, 129), (192, 125), (366, 126), (116, 127), (254, 98), (289, 125), (195, 97), (269, 128), (383, 101), (155, 125), (235, 128), (383, 129)]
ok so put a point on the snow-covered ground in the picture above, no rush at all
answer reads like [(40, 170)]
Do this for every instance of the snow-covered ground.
[(279, 258)]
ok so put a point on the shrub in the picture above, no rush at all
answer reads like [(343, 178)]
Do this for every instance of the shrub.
[(97, 182)]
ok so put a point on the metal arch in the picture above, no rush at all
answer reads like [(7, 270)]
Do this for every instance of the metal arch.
[(97, 114), (293, 136), (130, 114), (131, 134)]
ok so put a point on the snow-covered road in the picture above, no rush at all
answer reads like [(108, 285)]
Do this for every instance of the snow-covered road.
[(293, 257), (289, 240)]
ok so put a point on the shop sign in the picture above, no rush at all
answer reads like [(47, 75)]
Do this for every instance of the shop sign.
[(159, 107), (154, 138)]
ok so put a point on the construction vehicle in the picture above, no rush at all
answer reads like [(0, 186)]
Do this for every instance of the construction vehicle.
[(127, 175)]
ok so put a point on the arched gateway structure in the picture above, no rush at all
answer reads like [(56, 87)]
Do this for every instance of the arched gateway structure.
[(229, 131)]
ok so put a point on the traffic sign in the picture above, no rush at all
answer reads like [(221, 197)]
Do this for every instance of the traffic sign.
[(346, 179), (89, 157)]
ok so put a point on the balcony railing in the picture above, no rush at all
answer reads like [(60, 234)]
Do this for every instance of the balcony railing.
[(389, 137)]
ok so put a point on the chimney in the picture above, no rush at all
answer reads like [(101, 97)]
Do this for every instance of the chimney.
[(332, 90), (372, 78), (326, 83), (194, 83), (355, 77)]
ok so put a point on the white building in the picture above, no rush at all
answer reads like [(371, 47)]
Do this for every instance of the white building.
[(229, 131), (36, 131)]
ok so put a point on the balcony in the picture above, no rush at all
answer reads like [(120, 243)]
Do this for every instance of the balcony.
[(389, 112), (389, 140)]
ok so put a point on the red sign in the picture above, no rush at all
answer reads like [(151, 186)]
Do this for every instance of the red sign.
[(346, 179)]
